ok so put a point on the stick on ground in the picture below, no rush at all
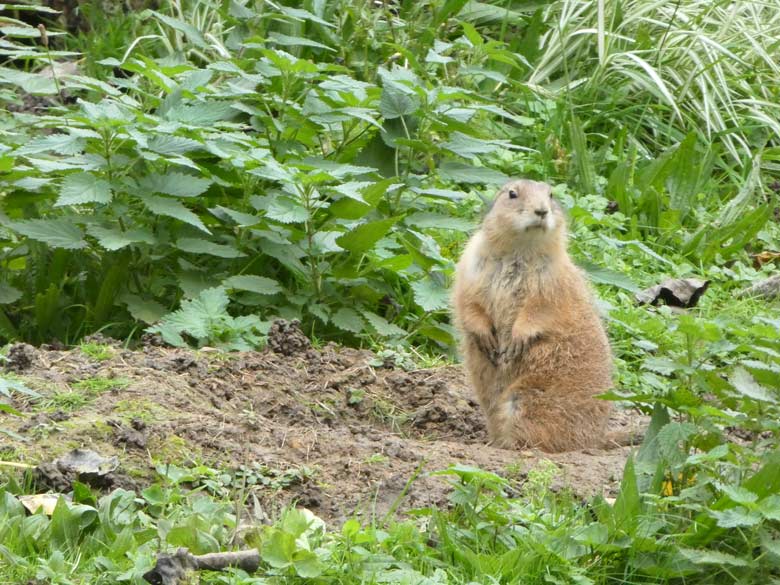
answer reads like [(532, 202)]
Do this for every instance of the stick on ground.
[(173, 569)]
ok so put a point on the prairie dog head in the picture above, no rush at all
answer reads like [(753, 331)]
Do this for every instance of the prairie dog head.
[(524, 214)]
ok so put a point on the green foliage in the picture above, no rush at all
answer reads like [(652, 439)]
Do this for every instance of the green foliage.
[(311, 170)]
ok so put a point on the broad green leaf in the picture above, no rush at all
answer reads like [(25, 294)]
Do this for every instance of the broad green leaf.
[(770, 507), (202, 113), (59, 143), (167, 144), (746, 385), (173, 208), (325, 241), (304, 15), (83, 188), (278, 549), (58, 233), (426, 219), (256, 284), (382, 326), (307, 564), (7, 386), (200, 246), (174, 183), (739, 494), (712, 557), (352, 208), (9, 294), (290, 41), (196, 315), (348, 320), (286, 210), (395, 102), (671, 437), (145, 310), (462, 173), (116, 239), (606, 276), (242, 219), (468, 146), (364, 236), (736, 517), (770, 543), (430, 295)]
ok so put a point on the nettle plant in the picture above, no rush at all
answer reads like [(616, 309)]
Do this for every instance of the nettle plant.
[(283, 185)]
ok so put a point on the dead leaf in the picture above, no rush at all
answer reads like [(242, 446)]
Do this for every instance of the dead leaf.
[(764, 257), (675, 292), (35, 502)]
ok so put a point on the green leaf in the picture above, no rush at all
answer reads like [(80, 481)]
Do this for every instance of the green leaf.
[(770, 507), (290, 41), (736, 517), (462, 173), (628, 505), (199, 246), (66, 144), (712, 557), (167, 144), (9, 294), (670, 438), (115, 239), (278, 549), (83, 188), (396, 102), (286, 210), (173, 208), (430, 295), (770, 543), (468, 146), (307, 565), (256, 284), (382, 326), (348, 320), (746, 385), (739, 494), (194, 317), (58, 233), (7, 386), (606, 276), (145, 310), (174, 183), (426, 219), (193, 35), (363, 237)]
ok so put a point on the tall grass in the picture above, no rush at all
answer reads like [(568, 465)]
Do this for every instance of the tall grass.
[(663, 68)]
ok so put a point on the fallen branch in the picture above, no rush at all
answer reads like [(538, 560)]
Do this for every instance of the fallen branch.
[(173, 569)]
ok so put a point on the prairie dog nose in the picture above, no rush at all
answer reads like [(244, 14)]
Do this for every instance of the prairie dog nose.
[(541, 212)]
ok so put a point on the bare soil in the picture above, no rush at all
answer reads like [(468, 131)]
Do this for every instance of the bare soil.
[(325, 427)]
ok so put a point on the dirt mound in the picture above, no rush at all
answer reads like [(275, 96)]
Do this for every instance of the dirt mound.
[(327, 428)]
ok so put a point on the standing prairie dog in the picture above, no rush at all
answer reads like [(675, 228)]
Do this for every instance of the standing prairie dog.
[(532, 342)]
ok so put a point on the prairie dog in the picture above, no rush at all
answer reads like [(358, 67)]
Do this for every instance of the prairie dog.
[(532, 342)]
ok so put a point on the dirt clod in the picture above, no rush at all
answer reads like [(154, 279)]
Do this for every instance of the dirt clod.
[(286, 338), (20, 357)]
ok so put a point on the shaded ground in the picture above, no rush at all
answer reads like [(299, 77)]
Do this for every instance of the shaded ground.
[(324, 427)]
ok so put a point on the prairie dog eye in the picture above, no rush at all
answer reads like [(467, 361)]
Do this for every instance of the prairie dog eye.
[(512, 194)]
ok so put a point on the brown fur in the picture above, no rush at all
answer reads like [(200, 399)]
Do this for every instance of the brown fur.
[(532, 342)]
